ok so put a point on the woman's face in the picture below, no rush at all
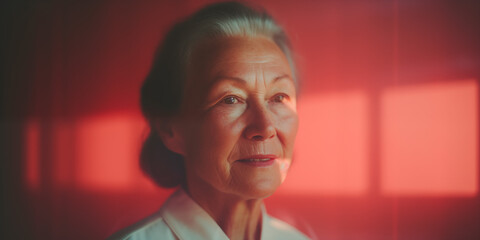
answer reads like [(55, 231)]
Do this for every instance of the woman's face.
[(240, 119)]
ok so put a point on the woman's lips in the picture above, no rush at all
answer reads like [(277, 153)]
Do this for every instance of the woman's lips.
[(258, 160)]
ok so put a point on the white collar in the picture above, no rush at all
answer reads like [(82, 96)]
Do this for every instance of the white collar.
[(190, 221)]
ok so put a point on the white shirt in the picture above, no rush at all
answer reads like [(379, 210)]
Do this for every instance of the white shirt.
[(182, 218)]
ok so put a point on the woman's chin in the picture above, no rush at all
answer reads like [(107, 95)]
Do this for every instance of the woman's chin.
[(256, 183), (260, 189)]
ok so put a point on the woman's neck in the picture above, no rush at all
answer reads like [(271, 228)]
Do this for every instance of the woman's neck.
[(238, 218)]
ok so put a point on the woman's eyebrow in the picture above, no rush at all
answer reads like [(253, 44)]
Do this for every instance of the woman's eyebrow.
[(217, 81), (243, 81), (282, 77), (223, 78)]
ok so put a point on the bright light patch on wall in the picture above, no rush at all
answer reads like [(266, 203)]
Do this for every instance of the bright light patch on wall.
[(429, 139), (331, 154), (32, 155), (108, 149)]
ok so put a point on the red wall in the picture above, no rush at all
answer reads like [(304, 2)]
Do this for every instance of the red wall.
[(388, 146)]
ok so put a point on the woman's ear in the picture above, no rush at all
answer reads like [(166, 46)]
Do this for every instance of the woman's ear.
[(170, 134)]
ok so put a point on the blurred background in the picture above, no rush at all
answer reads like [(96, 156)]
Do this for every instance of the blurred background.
[(388, 146)]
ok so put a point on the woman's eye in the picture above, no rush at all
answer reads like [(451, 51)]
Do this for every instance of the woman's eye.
[(230, 100), (279, 98)]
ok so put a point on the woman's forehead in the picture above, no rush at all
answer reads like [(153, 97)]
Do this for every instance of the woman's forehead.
[(239, 57)]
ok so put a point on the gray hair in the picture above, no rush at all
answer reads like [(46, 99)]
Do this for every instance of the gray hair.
[(162, 91)]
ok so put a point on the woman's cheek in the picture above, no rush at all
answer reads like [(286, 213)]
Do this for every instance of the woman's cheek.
[(287, 119), (225, 117), (287, 126), (221, 127)]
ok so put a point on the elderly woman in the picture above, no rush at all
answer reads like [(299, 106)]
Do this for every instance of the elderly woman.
[(221, 103)]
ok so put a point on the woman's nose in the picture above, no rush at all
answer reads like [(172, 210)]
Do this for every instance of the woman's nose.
[(260, 126)]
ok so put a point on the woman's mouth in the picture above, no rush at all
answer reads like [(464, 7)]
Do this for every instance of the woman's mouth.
[(258, 161)]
